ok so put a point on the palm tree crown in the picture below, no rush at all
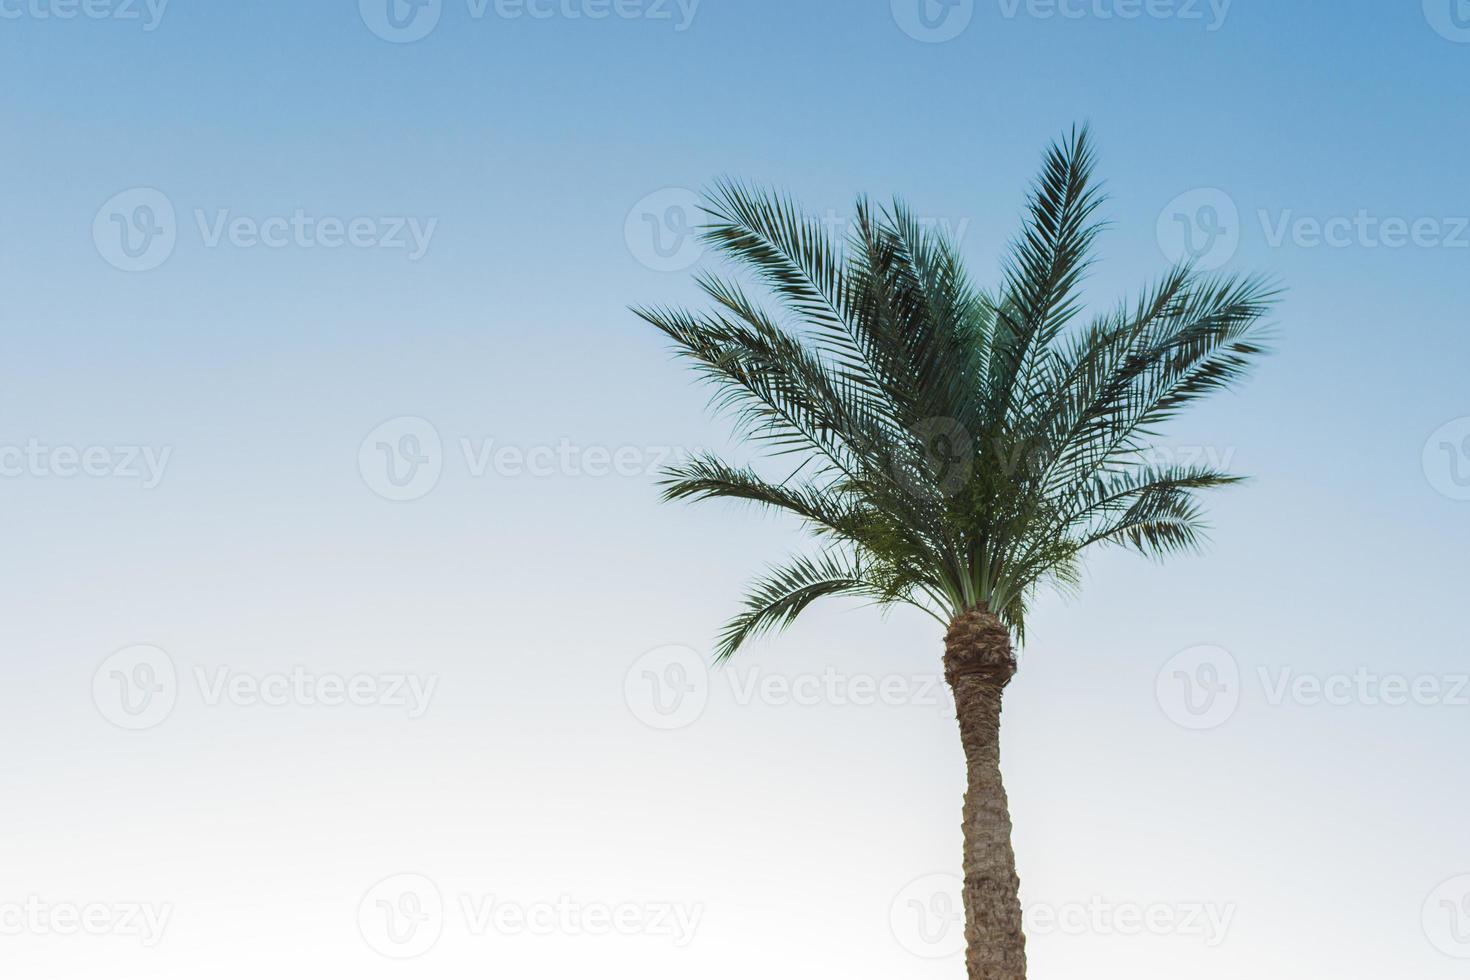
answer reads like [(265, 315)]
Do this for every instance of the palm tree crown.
[(957, 448)]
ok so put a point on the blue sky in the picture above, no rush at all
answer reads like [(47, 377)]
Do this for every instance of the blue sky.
[(451, 230)]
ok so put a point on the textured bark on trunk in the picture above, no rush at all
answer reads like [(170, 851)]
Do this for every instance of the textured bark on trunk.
[(978, 664)]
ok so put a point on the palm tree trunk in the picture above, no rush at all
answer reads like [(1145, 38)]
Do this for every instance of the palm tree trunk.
[(978, 664)]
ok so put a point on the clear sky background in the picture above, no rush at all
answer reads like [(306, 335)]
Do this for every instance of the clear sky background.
[(1164, 747)]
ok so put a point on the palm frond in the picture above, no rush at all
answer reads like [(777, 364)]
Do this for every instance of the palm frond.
[(877, 349), (776, 599)]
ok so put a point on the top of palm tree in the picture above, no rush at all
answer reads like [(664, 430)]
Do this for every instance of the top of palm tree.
[(957, 448)]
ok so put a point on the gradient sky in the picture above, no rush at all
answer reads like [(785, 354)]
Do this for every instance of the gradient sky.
[(1322, 143)]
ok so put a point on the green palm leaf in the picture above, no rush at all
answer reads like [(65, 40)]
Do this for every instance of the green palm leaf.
[(958, 449)]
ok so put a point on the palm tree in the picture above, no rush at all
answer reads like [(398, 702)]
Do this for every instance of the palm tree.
[(957, 449)]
